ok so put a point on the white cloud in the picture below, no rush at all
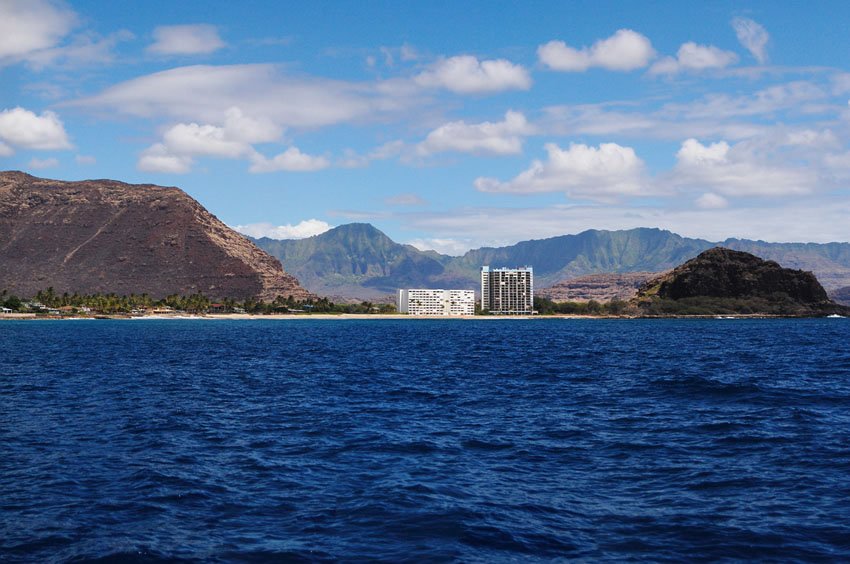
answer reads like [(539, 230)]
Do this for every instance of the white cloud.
[(584, 172), (711, 201), (352, 159), (29, 26), (38, 164), (500, 138), (408, 53), (811, 138), (203, 93), (838, 165), (694, 57), (779, 97), (465, 74), (234, 139), (737, 171), (753, 37), (840, 83), (306, 228), (194, 139), (405, 53), (452, 247), (195, 39), (23, 128), (156, 158), (85, 160), (405, 200), (84, 49), (635, 122), (291, 160), (820, 221), (624, 51), (5, 150)]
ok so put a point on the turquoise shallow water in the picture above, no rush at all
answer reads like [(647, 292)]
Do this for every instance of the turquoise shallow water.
[(396, 440)]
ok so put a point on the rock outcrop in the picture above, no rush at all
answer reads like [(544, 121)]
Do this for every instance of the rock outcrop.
[(733, 280), (597, 287), (106, 236)]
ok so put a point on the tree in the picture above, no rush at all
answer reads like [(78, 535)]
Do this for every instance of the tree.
[(13, 302)]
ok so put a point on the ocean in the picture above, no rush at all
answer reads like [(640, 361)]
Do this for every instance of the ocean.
[(428, 440)]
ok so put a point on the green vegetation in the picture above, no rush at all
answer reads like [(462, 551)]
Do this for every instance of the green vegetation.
[(776, 304), (545, 306), (111, 304)]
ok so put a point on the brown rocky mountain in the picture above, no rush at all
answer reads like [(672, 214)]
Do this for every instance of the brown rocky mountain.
[(721, 280), (597, 287), (107, 236)]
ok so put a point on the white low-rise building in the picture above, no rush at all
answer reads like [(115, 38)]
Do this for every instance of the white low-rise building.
[(421, 301)]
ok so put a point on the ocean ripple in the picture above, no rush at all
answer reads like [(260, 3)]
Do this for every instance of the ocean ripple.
[(388, 440)]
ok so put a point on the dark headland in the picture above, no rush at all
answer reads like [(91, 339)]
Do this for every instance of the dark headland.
[(723, 281)]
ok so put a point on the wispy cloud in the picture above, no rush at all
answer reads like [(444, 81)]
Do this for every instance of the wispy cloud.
[(38, 164), (195, 39), (261, 90), (753, 36), (407, 199)]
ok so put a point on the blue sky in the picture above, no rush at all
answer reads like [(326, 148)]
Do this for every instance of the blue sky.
[(449, 125)]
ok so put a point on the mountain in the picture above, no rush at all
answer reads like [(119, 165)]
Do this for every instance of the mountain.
[(358, 260), (722, 280), (589, 252), (355, 260), (841, 295), (107, 236)]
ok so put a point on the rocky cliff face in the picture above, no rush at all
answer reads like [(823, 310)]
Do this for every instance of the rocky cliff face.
[(107, 236), (742, 280), (597, 287)]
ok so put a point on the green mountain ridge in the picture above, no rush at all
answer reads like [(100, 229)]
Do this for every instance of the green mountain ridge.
[(357, 260)]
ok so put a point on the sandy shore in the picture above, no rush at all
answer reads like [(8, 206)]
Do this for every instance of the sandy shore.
[(358, 316), (377, 316), (340, 316)]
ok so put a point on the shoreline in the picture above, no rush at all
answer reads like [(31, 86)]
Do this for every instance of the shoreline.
[(376, 316)]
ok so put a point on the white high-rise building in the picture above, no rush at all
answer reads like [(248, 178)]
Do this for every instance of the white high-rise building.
[(507, 291), (420, 301)]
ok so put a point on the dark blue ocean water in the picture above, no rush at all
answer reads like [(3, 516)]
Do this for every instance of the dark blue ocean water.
[(475, 441)]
